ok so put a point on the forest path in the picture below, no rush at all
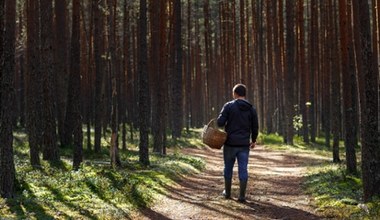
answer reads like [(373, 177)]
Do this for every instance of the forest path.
[(274, 189)]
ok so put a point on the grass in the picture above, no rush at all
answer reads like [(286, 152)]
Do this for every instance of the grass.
[(337, 194), (95, 191)]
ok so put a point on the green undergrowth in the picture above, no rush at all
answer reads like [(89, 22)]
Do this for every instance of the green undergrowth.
[(95, 191), (276, 142), (336, 193)]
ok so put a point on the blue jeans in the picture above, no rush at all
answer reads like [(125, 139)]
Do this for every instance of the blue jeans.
[(230, 154)]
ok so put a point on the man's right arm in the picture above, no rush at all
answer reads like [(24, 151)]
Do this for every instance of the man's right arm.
[(223, 115)]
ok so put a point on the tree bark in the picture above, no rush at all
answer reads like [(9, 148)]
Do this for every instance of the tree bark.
[(61, 63), (33, 79), (49, 137), (289, 85), (304, 74), (114, 150), (155, 66), (335, 87), (99, 71), (7, 72), (177, 110), (144, 105), (73, 121), (314, 61), (349, 85), (369, 109)]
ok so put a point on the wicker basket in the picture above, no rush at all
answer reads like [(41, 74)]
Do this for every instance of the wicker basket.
[(213, 137)]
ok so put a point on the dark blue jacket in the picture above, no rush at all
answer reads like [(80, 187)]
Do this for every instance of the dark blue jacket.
[(240, 120)]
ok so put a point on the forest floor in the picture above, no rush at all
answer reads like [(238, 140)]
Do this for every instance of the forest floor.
[(274, 189)]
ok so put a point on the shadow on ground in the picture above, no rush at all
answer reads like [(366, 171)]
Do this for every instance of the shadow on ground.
[(274, 189)]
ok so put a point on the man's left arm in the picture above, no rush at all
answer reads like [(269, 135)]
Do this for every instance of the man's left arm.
[(255, 127)]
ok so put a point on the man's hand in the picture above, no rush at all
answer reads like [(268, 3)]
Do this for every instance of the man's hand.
[(253, 144)]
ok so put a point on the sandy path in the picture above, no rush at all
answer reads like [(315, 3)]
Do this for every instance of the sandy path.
[(273, 191)]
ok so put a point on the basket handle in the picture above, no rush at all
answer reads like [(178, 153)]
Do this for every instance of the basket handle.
[(208, 125)]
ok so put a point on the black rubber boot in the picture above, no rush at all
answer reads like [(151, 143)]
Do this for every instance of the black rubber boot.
[(227, 188), (243, 187)]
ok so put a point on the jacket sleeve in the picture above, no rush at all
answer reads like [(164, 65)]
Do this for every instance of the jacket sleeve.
[(223, 116), (254, 125)]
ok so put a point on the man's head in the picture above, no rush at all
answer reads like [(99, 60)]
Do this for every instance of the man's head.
[(239, 90)]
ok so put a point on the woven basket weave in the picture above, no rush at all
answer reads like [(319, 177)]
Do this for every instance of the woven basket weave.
[(213, 137)]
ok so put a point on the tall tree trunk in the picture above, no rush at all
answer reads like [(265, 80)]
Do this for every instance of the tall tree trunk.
[(188, 70), (282, 69), (73, 122), (324, 79), (349, 91), (114, 150), (176, 102), (87, 69), (49, 137), (335, 87), (99, 68), (260, 62), (304, 74), (290, 74), (7, 72), (2, 13), (34, 90), (208, 55), (21, 63), (144, 105), (61, 63), (314, 62), (270, 67), (129, 102), (156, 31), (369, 108)]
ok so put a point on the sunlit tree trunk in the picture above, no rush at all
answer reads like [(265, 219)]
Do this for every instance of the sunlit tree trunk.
[(369, 109), (346, 46)]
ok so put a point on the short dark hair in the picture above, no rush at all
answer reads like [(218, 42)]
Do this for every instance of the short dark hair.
[(240, 90)]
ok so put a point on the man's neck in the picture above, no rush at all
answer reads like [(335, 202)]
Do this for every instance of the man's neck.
[(240, 97)]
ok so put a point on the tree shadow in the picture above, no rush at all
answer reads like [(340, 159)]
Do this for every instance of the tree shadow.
[(97, 192), (202, 192), (25, 207), (267, 210), (153, 214)]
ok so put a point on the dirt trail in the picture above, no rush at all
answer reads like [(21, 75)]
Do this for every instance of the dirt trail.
[(273, 191)]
